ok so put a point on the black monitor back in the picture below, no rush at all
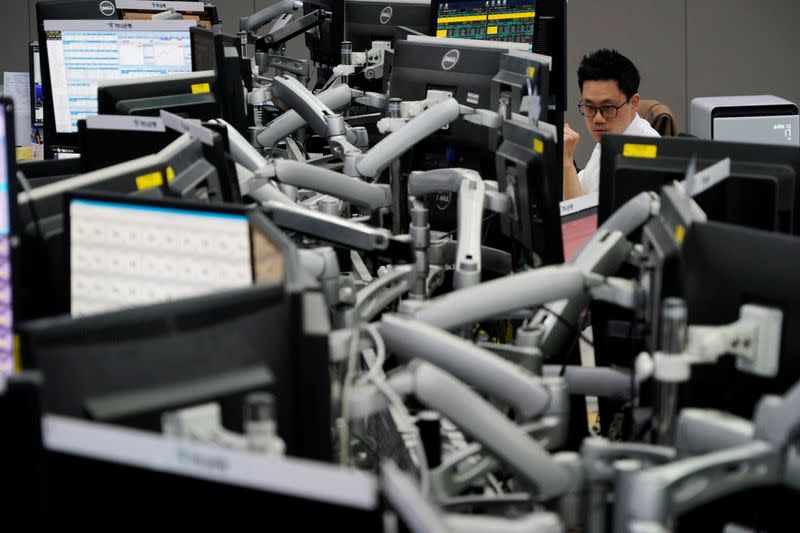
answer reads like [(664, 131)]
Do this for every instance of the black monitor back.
[(374, 20), (324, 43), (527, 166), (726, 266), (128, 367), (763, 191), (191, 95)]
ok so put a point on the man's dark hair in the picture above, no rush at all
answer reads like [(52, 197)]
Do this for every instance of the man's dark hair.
[(605, 64)]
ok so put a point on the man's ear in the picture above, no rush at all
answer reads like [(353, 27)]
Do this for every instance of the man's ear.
[(635, 102)]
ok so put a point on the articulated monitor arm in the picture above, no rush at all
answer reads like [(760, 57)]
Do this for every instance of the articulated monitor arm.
[(334, 99), (381, 155), (478, 418), (422, 517), (328, 227), (268, 14), (323, 121), (292, 29), (371, 196), (653, 497), (507, 294), (528, 394)]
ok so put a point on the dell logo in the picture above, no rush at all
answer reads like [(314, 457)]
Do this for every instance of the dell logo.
[(386, 14), (450, 59), (107, 8)]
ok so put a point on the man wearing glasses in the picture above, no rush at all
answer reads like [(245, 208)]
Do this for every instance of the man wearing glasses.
[(609, 84)]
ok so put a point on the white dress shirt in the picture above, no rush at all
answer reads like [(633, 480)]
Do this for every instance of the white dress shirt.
[(590, 176)]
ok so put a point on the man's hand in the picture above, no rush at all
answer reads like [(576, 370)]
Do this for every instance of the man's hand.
[(571, 139), (571, 184)]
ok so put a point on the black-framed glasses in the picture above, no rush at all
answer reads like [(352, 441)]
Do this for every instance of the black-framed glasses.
[(608, 111)]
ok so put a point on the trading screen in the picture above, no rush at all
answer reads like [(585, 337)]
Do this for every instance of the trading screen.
[(126, 255), (84, 53), (490, 20)]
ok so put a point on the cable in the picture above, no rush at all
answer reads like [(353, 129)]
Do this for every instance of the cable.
[(576, 336), (572, 327)]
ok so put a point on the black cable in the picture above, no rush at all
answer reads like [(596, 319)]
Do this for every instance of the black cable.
[(576, 335), (572, 327)]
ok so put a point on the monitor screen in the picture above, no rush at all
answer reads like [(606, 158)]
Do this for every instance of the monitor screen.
[(83, 53), (128, 253), (6, 307), (578, 222), (490, 20)]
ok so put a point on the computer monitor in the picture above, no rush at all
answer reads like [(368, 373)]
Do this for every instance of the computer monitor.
[(37, 97), (490, 20), (325, 42), (202, 43), (63, 10), (726, 266), (527, 169), (374, 20), (578, 222), (129, 367), (126, 252), (762, 192), (107, 468), (44, 276), (8, 236), (190, 94), (107, 140), (234, 80), (416, 68), (81, 54), (22, 452)]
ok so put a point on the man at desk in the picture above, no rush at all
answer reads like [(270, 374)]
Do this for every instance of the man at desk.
[(609, 84)]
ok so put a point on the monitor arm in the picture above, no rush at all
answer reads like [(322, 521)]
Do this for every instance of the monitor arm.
[(372, 60), (380, 156), (371, 196), (604, 253), (268, 14), (651, 497), (510, 293), (475, 194), (530, 395), (755, 340), (292, 29), (335, 98), (323, 121), (421, 516), (329, 228), (478, 418)]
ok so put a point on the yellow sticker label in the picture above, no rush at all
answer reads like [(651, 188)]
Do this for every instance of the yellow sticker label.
[(531, 71), (170, 174), (24, 153), (538, 146), (441, 33), (642, 151), (17, 354), (680, 233), (148, 181), (200, 88), (491, 30)]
